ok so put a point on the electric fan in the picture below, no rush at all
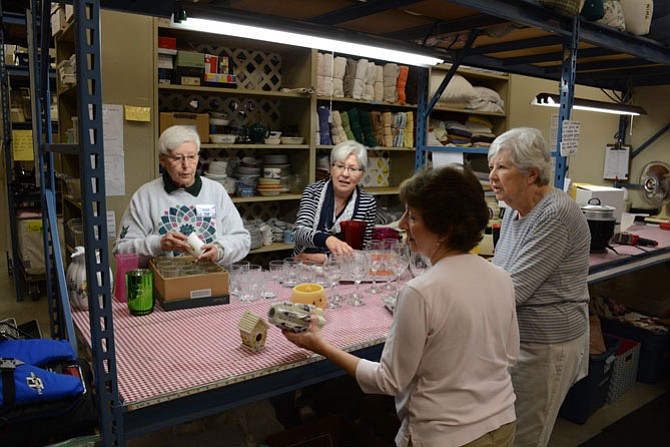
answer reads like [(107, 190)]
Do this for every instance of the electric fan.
[(655, 189)]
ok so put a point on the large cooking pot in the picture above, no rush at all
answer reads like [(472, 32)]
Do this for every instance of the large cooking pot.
[(601, 224)]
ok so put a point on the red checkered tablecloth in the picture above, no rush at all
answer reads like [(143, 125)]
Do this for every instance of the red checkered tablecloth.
[(166, 355)]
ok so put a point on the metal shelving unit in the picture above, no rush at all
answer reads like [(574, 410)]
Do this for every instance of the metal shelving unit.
[(116, 422)]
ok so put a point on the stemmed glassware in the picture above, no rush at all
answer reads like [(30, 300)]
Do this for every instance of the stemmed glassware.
[(333, 272), (396, 265), (358, 268), (418, 263), (394, 262), (375, 254)]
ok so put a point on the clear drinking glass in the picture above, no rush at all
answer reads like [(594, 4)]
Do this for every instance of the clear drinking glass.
[(235, 272), (276, 267), (358, 268), (333, 272), (251, 283)]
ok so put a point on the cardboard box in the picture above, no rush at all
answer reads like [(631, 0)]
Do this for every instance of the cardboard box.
[(211, 63), (58, 19), (220, 78), (199, 120), (190, 59), (183, 292), (606, 194), (167, 43)]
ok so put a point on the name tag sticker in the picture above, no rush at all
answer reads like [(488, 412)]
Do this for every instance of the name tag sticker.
[(205, 210)]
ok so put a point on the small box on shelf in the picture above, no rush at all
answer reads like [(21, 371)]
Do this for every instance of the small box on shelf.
[(199, 120)]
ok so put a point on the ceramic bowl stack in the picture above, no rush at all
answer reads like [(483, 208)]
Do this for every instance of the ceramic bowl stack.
[(217, 171), (274, 163), (248, 171)]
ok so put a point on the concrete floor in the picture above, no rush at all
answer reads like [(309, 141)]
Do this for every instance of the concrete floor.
[(566, 433)]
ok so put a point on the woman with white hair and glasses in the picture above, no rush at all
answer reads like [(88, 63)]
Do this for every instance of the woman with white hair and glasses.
[(544, 245), (165, 211), (327, 203)]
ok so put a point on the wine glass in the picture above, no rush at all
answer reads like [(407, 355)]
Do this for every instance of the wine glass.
[(418, 264), (396, 264), (358, 268), (394, 260), (333, 272), (375, 255)]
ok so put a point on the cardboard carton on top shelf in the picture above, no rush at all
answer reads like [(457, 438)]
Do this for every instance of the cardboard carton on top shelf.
[(199, 120)]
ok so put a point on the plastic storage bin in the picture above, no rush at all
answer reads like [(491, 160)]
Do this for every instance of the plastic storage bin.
[(590, 393), (654, 361), (624, 369)]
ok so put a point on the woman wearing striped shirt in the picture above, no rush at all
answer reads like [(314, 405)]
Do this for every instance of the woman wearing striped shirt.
[(544, 245), (327, 203)]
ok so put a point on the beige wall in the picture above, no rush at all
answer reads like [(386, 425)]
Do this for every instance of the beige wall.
[(597, 129)]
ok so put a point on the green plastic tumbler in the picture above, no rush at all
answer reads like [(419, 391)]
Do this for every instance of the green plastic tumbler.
[(140, 291)]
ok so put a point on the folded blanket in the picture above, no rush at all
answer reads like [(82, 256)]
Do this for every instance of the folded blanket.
[(387, 118), (377, 127), (401, 82), (390, 82), (346, 126), (412, 85), (366, 126), (487, 100), (355, 124), (379, 83), (340, 67), (360, 79), (349, 76), (409, 130), (327, 77), (337, 133), (324, 125), (371, 74), (320, 75)]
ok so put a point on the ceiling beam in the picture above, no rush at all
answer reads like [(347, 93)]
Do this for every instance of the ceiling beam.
[(359, 10), (447, 26)]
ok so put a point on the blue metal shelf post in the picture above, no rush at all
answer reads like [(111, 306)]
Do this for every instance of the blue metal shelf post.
[(94, 211), (568, 70)]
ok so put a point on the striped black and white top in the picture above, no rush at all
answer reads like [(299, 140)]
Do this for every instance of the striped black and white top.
[(547, 254), (308, 237)]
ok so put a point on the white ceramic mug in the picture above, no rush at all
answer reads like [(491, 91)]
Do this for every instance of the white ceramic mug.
[(196, 244)]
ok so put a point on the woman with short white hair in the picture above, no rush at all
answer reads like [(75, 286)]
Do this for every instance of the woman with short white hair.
[(544, 245), (327, 203)]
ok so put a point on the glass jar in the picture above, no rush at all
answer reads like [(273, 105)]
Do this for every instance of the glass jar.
[(296, 184)]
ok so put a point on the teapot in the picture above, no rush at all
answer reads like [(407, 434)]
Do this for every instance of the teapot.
[(258, 133)]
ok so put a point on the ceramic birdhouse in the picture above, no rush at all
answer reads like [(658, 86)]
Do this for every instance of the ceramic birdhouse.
[(253, 331)]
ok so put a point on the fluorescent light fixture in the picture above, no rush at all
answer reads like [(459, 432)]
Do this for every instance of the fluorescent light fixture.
[(551, 100), (305, 40)]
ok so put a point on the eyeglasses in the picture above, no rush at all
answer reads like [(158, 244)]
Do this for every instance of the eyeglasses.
[(349, 169), (179, 159)]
